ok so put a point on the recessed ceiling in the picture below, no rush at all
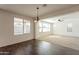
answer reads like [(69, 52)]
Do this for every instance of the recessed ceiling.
[(30, 9)]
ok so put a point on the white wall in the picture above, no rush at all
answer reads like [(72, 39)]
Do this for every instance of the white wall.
[(63, 37), (7, 29), (61, 27)]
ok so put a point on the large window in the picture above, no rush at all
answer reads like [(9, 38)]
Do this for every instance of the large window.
[(26, 26), (21, 26), (18, 26), (44, 27)]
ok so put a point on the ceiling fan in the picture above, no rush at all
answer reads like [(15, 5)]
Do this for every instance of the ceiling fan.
[(60, 20)]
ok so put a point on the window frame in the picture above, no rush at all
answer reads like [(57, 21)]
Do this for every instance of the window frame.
[(28, 21), (43, 27), (23, 26)]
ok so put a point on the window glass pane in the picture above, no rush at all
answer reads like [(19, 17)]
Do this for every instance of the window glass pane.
[(18, 26), (45, 24), (69, 27), (44, 27), (26, 26)]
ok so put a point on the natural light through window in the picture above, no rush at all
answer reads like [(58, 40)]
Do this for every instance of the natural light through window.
[(44, 27), (18, 26), (26, 26), (21, 26)]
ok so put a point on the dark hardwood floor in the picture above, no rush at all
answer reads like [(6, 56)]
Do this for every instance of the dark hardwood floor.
[(37, 47)]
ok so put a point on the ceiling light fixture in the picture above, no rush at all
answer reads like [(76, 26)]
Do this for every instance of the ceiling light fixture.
[(37, 9), (37, 17)]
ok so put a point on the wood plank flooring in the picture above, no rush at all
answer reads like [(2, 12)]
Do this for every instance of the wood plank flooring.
[(37, 47)]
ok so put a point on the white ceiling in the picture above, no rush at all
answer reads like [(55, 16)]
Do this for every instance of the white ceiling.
[(30, 9), (50, 20)]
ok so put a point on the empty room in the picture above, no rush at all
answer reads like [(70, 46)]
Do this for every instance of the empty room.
[(39, 29)]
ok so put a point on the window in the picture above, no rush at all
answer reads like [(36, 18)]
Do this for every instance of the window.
[(18, 26), (40, 27), (44, 27), (21, 26), (26, 26), (69, 27)]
